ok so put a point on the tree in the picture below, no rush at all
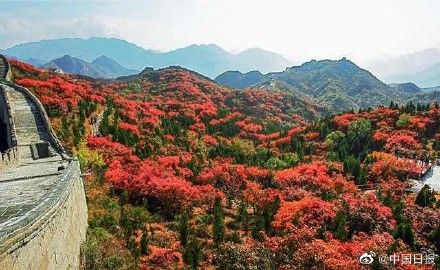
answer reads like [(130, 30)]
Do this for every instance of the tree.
[(133, 247), (183, 229), (218, 228), (398, 212), (339, 226), (257, 226), (269, 211), (352, 165), (435, 238), (362, 177), (359, 136), (132, 219), (403, 120), (426, 197), (65, 128), (242, 216), (193, 254), (405, 232), (144, 243)]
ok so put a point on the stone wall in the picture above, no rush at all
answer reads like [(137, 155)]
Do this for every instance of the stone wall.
[(53, 241), (4, 68), (10, 155), (46, 233)]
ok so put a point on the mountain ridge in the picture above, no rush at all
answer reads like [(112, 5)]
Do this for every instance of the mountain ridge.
[(209, 60), (101, 67), (337, 84)]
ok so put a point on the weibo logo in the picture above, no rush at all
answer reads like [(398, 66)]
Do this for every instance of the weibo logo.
[(367, 257)]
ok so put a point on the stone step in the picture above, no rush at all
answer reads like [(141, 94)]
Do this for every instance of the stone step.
[(25, 152), (29, 124), (27, 119), (30, 134)]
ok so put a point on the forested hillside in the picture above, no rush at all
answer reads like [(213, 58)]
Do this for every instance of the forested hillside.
[(182, 173)]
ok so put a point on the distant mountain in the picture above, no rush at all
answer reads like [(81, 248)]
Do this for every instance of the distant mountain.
[(336, 85), (101, 67), (110, 68), (261, 60), (426, 97), (419, 67), (209, 60), (72, 65), (408, 88), (123, 52), (427, 78), (236, 79), (430, 89)]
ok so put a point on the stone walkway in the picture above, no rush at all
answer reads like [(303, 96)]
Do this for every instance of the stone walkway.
[(30, 187), (29, 125)]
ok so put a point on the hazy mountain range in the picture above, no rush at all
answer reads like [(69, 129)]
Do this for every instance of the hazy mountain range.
[(209, 60), (421, 68), (335, 85)]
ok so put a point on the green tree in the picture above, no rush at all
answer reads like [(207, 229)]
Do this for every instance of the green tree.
[(297, 146), (218, 228), (359, 136), (405, 232), (144, 243), (403, 120), (352, 166), (133, 218), (242, 216), (426, 197), (183, 229), (275, 163), (269, 211), (133, 247), (435, 238), (193, 254), (339, 226), (334, 140), (65, 128), (398, 211)]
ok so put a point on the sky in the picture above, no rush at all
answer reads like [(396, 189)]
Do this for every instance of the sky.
[(300, 30)]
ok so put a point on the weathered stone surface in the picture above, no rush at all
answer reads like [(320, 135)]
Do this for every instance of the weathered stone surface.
[(54, 243), (43, 212)]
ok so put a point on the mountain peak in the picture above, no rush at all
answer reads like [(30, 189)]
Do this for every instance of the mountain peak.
[(207, 59), (103, 59), (101, 67)]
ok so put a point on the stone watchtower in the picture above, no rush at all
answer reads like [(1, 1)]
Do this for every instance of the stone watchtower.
[(43, 212)]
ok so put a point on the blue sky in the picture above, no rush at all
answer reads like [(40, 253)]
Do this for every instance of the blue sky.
[(300, 30)]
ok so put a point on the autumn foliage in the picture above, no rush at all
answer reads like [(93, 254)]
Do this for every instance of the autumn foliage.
[(193, 174)]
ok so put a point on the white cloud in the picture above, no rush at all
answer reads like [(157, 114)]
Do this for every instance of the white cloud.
[(299, 29)]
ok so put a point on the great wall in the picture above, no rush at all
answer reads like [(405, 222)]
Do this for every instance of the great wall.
[(43, 211)]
